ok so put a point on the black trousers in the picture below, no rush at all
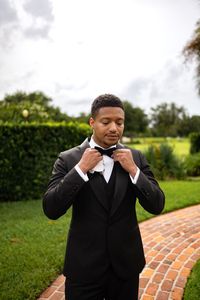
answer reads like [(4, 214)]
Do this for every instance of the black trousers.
[(111, 287)]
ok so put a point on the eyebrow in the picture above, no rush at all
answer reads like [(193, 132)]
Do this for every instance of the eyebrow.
[(107, 118)]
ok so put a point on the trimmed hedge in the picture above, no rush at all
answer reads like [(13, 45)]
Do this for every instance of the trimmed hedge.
[(27, 154), (195, 142)]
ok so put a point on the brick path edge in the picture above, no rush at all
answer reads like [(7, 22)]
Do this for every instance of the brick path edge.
[(172, 247)]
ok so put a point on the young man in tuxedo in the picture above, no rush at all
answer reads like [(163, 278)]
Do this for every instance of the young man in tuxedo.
[(101, 179)]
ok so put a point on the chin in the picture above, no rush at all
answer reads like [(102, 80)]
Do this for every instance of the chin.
[(111, 142)]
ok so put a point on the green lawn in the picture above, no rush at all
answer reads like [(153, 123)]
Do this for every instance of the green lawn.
[(178, 194), (181, 146), (32, 247), (192, 291)]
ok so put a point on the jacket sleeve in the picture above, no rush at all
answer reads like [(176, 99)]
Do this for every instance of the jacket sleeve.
[(62, 189), (150, 195)]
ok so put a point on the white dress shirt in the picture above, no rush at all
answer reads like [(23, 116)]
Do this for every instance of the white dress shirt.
[(105, 166)]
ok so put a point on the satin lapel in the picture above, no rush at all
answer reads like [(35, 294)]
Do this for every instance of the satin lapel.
[(121, 182), (97, 185), (84, 145)]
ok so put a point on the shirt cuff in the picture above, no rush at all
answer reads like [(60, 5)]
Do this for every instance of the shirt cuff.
[(135, 178), (84, 176)]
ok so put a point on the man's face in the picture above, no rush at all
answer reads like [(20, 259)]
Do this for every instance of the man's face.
[(108, 126)]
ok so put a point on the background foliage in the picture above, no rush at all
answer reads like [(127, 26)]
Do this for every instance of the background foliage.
[(164, 163), (27, 153), (37, 104), (166, 119), (192, 164), (30, 143), (195, 142), (192, 51)]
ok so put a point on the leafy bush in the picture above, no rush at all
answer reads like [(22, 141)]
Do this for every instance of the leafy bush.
[(192, 164), (164, 163), (27, 153), (195, 142)]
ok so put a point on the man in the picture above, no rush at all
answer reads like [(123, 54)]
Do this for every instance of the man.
[(104, 254)]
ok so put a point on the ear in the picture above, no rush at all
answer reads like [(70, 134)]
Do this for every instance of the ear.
[(91, 122)]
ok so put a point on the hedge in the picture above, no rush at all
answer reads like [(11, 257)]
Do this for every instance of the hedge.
[(27, 154), (195, 142)]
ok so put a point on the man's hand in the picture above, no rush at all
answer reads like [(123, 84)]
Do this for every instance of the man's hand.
[(125, 158), (89, 159)]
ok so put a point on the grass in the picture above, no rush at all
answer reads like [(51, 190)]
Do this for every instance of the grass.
[(181, 146), (32, 247), (192, 291), (178, 194)]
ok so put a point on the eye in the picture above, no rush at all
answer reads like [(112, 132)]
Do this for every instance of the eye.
[(105, 122), (120, 123)]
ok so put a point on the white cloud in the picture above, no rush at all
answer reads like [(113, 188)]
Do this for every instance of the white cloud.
[(42, 17), (172, 83), (8, 13), (74, 50), (39, 9)]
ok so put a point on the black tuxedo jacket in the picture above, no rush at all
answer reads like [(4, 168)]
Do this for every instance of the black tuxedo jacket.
[(98, 236)]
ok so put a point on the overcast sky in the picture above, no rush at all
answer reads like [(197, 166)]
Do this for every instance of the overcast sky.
[(74, 50)]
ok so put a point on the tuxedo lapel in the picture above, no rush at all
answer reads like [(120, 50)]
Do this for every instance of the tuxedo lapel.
[(121, 182), (84, 145)]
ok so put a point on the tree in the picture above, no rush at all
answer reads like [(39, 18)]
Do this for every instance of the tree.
[(33, 107), (189, 125), (34, 97), (166, 119), (136, 120), (192, 51)]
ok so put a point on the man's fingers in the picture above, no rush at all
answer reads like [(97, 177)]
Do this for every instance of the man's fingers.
[(120, 152), (92, 151)]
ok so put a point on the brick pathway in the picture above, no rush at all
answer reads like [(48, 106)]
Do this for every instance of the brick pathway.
[(172, 246)]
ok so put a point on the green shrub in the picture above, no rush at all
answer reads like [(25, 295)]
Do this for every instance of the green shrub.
[(164, 163), (195, 142), (27, 154), (192, 164)]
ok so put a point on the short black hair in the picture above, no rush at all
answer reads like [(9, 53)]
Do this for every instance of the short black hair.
[(105, 100)]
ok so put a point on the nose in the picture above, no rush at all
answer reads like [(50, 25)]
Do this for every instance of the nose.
[(113, 127)]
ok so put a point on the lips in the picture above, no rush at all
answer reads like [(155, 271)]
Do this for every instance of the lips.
[(112, 136)]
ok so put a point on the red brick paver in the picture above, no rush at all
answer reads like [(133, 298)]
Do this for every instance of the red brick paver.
[(172, 246)]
